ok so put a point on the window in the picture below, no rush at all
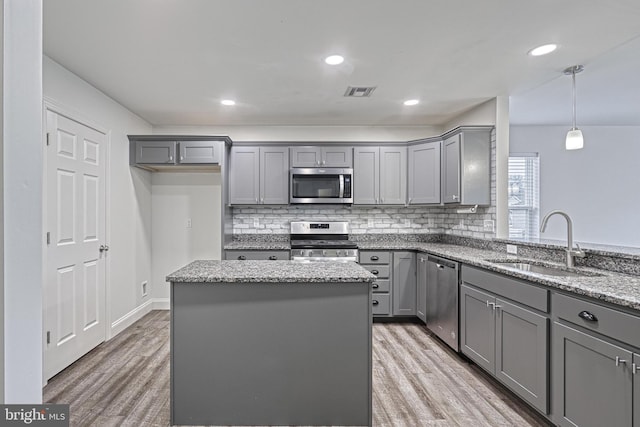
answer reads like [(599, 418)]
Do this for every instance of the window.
[(524, 195)]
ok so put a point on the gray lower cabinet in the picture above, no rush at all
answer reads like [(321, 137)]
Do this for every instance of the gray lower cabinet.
[(379, 263), (380, 175), (421, 287), (424, 173), (242, 255), (467, 168), (506, 338), (329, 156), (595, 364), (404, 284), (259, 175), (590, 389)]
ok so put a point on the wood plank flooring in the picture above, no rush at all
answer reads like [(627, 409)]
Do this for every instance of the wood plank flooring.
[(417, 381)]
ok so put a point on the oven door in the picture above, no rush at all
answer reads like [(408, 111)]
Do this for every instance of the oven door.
[(326, 185)]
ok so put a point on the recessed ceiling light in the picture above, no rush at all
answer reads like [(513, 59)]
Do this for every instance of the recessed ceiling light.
[(228, 102), (334, 59), (411, 102), (543, 50)]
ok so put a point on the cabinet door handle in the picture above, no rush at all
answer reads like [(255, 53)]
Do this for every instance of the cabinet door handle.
[(170, 159), (262, 200), (589, 317), (181, 158), (273, 257), (242, 257), (375, 272), (375, 302), (619, 361), (454, 197), (375, 286), (491, 305), (634, 368), (374, 258), (440, 266)]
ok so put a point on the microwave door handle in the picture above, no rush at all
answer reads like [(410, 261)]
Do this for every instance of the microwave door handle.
[(341, 176)]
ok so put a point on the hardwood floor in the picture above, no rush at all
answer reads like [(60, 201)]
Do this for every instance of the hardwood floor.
[(417, 381)]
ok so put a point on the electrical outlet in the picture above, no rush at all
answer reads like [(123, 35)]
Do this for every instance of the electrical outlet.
[(488, 225), (407, 223), (256, 223), (371, 223), (512, 249), (189, 223), (144, 288)]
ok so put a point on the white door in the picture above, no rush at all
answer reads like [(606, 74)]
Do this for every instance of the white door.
[(74, 305)]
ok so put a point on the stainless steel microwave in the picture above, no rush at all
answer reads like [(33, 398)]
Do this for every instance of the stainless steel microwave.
[(321, 185)]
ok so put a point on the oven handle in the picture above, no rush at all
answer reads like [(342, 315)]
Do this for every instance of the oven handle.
[(341, 176)]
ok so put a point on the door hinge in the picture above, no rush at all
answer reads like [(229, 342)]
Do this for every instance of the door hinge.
[(48, 337), (48, 237), (48, 138)]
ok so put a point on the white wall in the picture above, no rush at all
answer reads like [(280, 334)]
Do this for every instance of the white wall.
[(176, 198), (483, 114), (307, 133), (597, 186), (129, 201), (22, 171), (2, 202)]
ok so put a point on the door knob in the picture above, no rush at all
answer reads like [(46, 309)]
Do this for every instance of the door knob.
[(104, 248)]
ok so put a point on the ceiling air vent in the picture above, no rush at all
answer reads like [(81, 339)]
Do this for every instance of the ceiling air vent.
[(359, 91)]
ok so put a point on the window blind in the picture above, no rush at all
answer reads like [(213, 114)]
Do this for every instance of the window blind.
[(524, 195)]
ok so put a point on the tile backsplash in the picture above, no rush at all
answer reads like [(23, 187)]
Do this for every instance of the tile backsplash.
[(378, 219)]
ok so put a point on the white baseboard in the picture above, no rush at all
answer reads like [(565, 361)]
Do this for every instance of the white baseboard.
[(161, 304), (130, 318)]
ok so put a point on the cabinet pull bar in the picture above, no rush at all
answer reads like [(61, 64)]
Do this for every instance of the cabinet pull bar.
[(492, 305), (375, 272), (374, 258), (634, 368), (375, 286), (619, 361)]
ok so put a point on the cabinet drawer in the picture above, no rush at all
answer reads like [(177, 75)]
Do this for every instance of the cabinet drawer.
[(381, 286), (607, 321), (381, 271), (257, 255), (375, 257), (514, 289), (381, 304)]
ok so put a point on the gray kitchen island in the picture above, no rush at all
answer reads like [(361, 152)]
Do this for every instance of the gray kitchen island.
[(271, 343)]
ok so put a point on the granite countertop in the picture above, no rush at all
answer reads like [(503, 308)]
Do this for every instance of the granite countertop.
[(270, 272), (616, 288)]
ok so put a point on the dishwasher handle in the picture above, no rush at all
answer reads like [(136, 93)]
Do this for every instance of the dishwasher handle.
[(443, 262)]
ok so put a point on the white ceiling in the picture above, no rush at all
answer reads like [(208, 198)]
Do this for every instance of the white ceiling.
[(172, 61)]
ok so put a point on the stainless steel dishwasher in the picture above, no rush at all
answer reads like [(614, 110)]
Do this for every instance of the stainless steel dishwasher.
[(442, 299)]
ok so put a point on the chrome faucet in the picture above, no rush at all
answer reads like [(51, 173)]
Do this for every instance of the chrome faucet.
[(571, 253)]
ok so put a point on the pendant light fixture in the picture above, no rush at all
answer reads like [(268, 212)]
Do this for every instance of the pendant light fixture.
[(574, 140)]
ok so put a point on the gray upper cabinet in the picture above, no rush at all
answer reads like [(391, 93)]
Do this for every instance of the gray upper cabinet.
[(155, 152), (197, 152), (424, 173), (315, 156), (467, 168), (244, 176), (404, 284), (274, 175), (379, 175), (259, 175), (177, 152)]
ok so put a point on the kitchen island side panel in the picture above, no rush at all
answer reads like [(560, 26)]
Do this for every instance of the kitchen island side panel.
[(271, 354)]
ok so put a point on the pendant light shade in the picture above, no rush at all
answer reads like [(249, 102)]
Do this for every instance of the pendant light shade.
[(574, 140)]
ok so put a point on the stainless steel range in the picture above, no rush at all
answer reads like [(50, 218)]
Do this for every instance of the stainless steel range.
[(322, 241)]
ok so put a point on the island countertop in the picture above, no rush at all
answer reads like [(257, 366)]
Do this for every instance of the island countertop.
[(209, 271)]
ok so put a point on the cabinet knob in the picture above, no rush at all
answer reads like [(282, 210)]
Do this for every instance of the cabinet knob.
[(374, 258), (375, 272), (242, 257), (375, 302), (375, 286), (589, 317), (273, 257)]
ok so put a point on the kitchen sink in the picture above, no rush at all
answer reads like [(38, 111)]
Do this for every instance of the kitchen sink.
[(547, 270)]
